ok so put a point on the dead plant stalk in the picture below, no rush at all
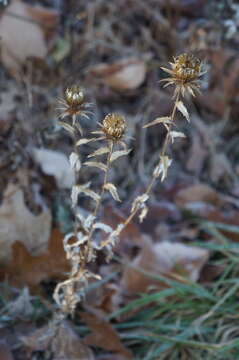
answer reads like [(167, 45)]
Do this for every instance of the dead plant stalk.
[(81, 246)]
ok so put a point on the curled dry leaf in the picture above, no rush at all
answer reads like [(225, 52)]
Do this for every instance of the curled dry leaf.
[(166, 120), (77, 189), (126, 74), (139, 202), (176, 134), (75, 161), (22, 34), (162, 167), (113, 190), (143, 213), (173, 260), (101, 226), (17, 223), (56, 164), (182, 108)]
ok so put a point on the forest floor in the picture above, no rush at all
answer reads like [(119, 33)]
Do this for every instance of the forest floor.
[(171, 290)]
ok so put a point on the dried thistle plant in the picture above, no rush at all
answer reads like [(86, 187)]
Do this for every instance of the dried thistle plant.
[(185, 73), (84, 242)]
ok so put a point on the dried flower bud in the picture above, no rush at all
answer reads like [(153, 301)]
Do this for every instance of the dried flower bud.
[(74, 104), (114, 126), (74, 96)]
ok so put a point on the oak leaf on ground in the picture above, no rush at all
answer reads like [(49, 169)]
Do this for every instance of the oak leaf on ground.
[(173, 260), (28, 270)]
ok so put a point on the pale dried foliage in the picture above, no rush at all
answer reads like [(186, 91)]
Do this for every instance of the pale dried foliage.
[(84, 243)]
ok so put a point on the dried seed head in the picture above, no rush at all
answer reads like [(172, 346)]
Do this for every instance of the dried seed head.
[(185, 72), (114, 126), (186, 67), (74, 96)]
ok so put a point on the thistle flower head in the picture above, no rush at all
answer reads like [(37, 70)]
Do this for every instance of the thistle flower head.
[(114, 126), (185, 72)]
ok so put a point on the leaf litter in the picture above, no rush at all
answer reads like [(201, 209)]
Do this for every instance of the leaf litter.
[(192, 225)]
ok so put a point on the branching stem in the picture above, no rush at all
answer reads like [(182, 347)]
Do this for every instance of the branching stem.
[(162, 153)]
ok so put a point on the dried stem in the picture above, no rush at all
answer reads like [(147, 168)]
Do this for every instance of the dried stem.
[(98, 203), (166, 142), (162, 153), (111, 148)]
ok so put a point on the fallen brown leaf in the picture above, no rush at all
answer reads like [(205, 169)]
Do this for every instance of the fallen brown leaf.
[(28, 270), (63, 343), (55, 163), (126, 74), (17, 223), (22, 34), (104, 335), (173, 260), (197, 193), (47, 18)]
